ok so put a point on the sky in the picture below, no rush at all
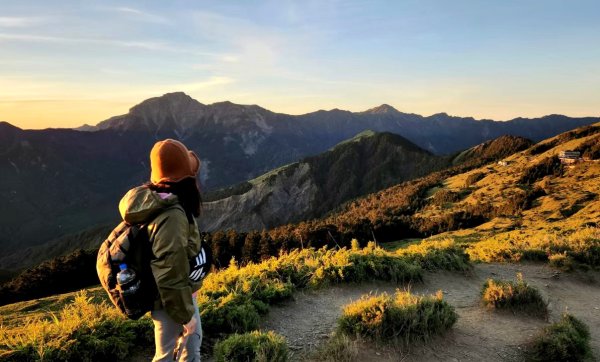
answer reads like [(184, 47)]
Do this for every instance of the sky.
[(67, 63)]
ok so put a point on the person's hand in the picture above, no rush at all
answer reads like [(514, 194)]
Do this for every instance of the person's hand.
[(190, 327)]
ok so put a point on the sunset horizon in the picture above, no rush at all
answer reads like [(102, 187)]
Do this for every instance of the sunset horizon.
[(63, 67)]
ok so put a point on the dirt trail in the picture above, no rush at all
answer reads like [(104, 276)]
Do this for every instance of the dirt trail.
[(479, 334)]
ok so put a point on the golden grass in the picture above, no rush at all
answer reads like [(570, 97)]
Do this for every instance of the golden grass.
[(517, 296), (403, 317)]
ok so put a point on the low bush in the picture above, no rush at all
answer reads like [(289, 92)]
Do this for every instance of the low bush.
[(81, 331), (474, 178), (445, 197), (403, 317), (515, 296), (561, 261), (253, 346), (233, 299), (340, 348), (440, 254), (566, 340)]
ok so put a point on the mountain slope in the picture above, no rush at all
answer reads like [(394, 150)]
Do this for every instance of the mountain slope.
[(366, 163), (315, 185), (60, 181), (528, 201), (527, 208), (498, 148)]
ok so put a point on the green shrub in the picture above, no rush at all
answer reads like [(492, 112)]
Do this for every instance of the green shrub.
[(339, 348), (435, 255), (403, 317), (515, 296), (233, 299), (253, 346), (561, 261), (566, 340)]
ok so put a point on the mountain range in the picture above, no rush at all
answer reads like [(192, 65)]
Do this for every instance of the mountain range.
[(61, 181), (318, 184)]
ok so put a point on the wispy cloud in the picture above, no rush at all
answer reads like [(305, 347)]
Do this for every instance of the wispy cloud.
[(27, 87), (147, 45), (19, 22), (210, 82), (140, 15), (111, 42)]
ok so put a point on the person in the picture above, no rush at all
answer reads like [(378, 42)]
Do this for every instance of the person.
[(169, 204)]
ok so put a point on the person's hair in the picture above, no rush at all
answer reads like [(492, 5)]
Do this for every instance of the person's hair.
[(188, 193)]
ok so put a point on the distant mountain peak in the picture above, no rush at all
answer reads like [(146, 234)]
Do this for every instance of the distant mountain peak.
[(382, 109), (8, 126), (168, 100)]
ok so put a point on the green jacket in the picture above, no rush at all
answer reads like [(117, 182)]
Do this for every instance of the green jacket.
[(174, 242)]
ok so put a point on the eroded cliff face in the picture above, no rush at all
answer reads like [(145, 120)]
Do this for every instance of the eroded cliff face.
[(282, 197)]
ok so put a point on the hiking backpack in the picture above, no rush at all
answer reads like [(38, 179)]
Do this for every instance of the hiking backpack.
[(130, 244)]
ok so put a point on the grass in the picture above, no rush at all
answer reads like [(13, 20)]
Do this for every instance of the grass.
[(517, 296), (253, 346), (82, 330), (339, 348), (83, 326), (579, 248), (565, 340), (400, 318), (443, 254), (398, 244), (233, 299)]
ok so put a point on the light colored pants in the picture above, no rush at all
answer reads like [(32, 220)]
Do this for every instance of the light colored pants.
[(166, 333)]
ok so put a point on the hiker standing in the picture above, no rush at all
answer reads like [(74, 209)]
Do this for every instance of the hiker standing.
[(170, 203)]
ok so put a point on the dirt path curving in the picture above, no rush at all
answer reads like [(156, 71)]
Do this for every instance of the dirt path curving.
[(479, 334), (308, 320)]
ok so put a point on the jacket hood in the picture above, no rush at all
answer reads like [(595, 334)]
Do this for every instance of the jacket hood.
[(140, 204)]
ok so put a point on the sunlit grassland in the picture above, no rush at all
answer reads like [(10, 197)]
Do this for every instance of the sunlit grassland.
[(84, 326), (398, 244)]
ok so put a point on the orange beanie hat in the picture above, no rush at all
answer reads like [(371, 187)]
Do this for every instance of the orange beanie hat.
[(171, 161)]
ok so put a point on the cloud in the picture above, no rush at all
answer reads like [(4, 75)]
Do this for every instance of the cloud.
[(19, 22), (210, 82), (30, 88), (140, 15), (147, 45), (250, 41)]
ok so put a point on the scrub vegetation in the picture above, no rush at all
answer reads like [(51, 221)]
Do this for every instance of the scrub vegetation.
[(565, 340), (253, 346), (87, 327), (403, 317), (517, 296)]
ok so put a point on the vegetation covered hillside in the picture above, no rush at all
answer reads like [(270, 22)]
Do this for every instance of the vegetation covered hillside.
[(309, 188), (529, 191), (528, 206), (529, 194)]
